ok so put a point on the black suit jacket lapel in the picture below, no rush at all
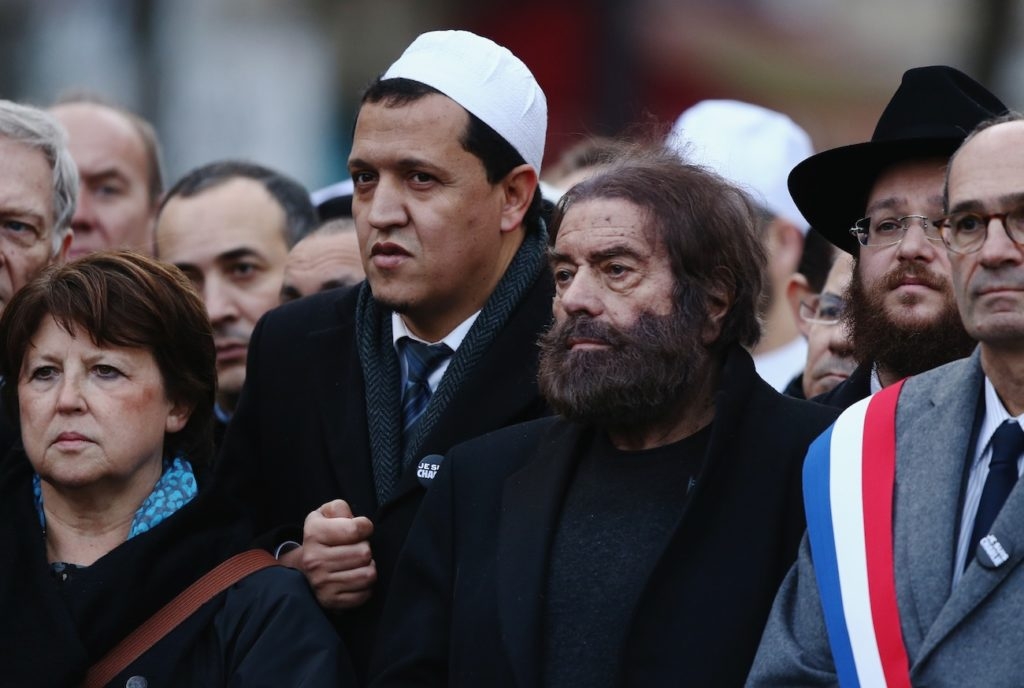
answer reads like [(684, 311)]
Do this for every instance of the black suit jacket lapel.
[(342, 403)]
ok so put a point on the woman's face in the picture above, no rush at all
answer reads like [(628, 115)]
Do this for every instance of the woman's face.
[(93, 416)]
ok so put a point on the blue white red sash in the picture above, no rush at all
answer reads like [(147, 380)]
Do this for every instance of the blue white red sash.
[(849, 476)]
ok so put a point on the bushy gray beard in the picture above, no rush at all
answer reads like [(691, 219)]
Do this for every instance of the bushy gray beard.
[(639, 381), (897, 347)]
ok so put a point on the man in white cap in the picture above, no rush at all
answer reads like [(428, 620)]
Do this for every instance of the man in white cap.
[(756, 148), (348, 390)]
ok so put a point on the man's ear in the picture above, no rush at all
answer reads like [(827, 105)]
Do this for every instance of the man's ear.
[(61, 255), (518, 188), (720, 297), (785, 244), (796, 291)]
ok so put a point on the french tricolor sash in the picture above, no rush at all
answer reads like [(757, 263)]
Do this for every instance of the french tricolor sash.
[(849, 476)]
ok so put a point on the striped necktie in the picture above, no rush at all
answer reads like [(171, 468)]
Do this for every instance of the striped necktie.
[(421, 360)]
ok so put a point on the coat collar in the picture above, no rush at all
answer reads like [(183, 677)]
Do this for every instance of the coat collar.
[(339, 391), (937, 443), (933, 428), (531, 503), (59, 632)]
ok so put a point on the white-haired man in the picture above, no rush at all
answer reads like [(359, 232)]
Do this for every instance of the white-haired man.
[(38, 190)]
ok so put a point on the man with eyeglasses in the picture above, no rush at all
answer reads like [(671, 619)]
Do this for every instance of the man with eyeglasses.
[(878, 201), (829, 352), (922, 584), (38, 193)]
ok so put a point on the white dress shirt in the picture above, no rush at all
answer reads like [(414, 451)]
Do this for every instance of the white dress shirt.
[(995, 415), (453, 340)]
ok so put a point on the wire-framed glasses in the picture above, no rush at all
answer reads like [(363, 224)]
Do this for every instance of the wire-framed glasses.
[(822, 309), (888, 231)]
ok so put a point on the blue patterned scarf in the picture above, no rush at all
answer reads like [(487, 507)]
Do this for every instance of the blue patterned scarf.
[(175, 488)]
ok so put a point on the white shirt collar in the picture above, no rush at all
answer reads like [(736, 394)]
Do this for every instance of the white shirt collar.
[(778, 366), (453, 338), (995, 415)]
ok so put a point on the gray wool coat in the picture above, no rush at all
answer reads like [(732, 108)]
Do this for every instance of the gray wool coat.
[(972, 635)]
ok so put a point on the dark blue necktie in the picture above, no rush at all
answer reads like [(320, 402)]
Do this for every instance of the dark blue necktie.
[(1007, 446), (421, 360)]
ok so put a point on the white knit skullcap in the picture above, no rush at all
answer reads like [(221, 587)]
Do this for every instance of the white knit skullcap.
[(486, 79), (751, 146)]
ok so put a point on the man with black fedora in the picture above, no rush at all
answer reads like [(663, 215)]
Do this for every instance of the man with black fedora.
[(878, 201), (911, 573)]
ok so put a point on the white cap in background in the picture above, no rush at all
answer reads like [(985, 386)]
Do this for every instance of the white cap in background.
[(751, 146)]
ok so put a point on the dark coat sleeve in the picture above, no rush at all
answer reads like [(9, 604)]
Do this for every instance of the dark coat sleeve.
[(266, 630), (239, 471), (276, 635), (273, 461)]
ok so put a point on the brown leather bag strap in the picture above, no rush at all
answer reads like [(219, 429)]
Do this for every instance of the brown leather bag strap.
[(188, 601)]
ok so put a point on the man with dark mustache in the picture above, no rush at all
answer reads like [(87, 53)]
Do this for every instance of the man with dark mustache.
[(639, 537), (878, 201)]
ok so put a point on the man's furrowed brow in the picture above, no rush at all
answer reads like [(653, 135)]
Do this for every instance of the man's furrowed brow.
[(357, 164), (106, 173), (238, 254), (1005, 202), (406, 163), (895, 203), (599, 255), (1014, 200), (616, 251), (556, 257), (888, 203)]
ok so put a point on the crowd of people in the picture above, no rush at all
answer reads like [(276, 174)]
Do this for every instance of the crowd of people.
[(710, 409)]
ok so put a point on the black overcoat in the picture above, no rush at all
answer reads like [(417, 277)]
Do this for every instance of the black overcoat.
[(299, 436), (466, 603), (266, 630)]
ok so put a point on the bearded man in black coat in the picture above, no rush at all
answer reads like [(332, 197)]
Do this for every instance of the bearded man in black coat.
[(639, 537)]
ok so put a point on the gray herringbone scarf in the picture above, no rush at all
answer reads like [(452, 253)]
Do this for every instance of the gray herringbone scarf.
[(382, 373)]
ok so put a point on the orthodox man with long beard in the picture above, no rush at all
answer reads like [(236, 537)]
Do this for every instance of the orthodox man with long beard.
[(637, 538), (879, 201)]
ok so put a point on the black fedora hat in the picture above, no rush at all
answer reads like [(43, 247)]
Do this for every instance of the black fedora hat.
[(931, 113)]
